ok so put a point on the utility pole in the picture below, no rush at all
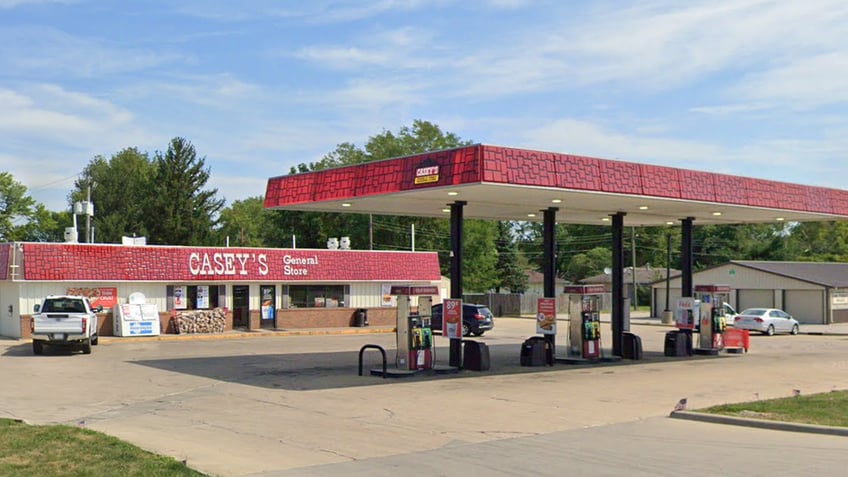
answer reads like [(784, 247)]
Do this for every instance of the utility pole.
[(88, 236)]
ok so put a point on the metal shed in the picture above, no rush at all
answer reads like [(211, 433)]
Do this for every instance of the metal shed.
[(812, 292)]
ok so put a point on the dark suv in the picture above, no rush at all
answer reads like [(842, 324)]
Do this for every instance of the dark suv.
[(476, 319)]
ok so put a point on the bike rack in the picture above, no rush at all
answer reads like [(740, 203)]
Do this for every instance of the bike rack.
[(378, 348)]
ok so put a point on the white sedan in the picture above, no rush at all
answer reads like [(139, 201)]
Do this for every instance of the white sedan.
[(766, 320)]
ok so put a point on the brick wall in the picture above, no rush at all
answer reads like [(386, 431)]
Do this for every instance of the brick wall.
[(332, 317)]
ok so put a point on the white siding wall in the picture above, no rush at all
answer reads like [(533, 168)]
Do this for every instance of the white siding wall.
[(10, 323), (33, 292), (366, 295)]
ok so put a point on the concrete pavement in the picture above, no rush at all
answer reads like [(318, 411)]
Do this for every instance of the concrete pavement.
[(293, 405)]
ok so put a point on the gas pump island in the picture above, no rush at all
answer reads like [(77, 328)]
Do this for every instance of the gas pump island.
[(584, 328), (705, 312), (415, 347), (711, 320)]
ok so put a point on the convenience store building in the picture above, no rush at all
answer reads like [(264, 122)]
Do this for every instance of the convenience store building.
[(255, 287)]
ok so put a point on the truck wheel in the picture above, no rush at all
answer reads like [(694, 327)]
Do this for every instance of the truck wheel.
[(86, 347), (95, 340), (37, 347)]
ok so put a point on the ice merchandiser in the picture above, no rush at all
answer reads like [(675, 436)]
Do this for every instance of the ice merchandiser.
[(712, 322), (136, 318), (584, 316), (414, 335)]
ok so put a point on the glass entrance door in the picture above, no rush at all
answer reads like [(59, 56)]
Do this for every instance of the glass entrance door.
[(241, 306)]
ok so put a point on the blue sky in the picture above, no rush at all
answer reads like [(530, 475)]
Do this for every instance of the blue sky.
[(747, 87)]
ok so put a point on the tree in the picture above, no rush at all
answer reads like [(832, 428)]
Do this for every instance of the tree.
[(510, 274), (717, 244), (816, 241), (180, 211), (121, 188), (16, 208), (46, 225), (245, 223), (588, 264), (479, 256)]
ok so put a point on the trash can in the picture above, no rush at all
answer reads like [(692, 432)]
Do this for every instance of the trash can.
[(360, 317), (536, 351), (475, 356), (677, 343), (631, 346)]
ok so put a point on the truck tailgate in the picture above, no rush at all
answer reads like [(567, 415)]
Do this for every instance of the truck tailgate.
[(57, 323)]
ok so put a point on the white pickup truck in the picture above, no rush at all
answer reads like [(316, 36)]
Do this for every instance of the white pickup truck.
[(64, 320)]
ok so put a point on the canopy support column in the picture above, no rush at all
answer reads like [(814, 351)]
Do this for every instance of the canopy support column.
[(549, 261), (455, 350), (617, 282), (686, 257)]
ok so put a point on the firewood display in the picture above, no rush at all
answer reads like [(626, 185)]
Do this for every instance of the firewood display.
[(201, 321)]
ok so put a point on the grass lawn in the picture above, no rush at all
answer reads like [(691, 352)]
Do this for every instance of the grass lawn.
[(826, 409), (53, 451)]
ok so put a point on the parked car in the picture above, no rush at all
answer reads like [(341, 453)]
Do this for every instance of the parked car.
[(476, 319), (767, 321)]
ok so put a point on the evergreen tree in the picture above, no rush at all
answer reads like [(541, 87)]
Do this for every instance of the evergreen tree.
[(510, 274), (180, 211)]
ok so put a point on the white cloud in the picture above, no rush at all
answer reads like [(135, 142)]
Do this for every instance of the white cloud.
[(587, 138), (730, 109), (806, 83), (341, 57), (220, 91), (659, 46), (18, 3), (775, 159), (53, 113), (50, 133), (50, 52)]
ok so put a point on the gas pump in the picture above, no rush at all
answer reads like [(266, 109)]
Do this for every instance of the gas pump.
[(414, 335), (584, 315), (712, 322)]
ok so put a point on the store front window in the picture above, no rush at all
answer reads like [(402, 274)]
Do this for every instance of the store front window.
[(318, 296), (195, 297)]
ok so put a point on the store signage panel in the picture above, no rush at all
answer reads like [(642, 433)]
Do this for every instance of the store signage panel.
[(78, 262), (105, 296)]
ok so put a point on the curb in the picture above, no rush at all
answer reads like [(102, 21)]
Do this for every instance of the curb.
[(759, 423)]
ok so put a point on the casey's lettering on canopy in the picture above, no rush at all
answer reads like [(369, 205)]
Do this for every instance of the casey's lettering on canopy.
[(426, 175)]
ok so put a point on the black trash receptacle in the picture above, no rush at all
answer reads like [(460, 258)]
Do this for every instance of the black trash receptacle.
[(536, 351), (677, 343), (631, 346), (360, 317), (475, 356)]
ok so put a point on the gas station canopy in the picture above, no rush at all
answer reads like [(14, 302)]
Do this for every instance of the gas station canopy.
[(500, 183)]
